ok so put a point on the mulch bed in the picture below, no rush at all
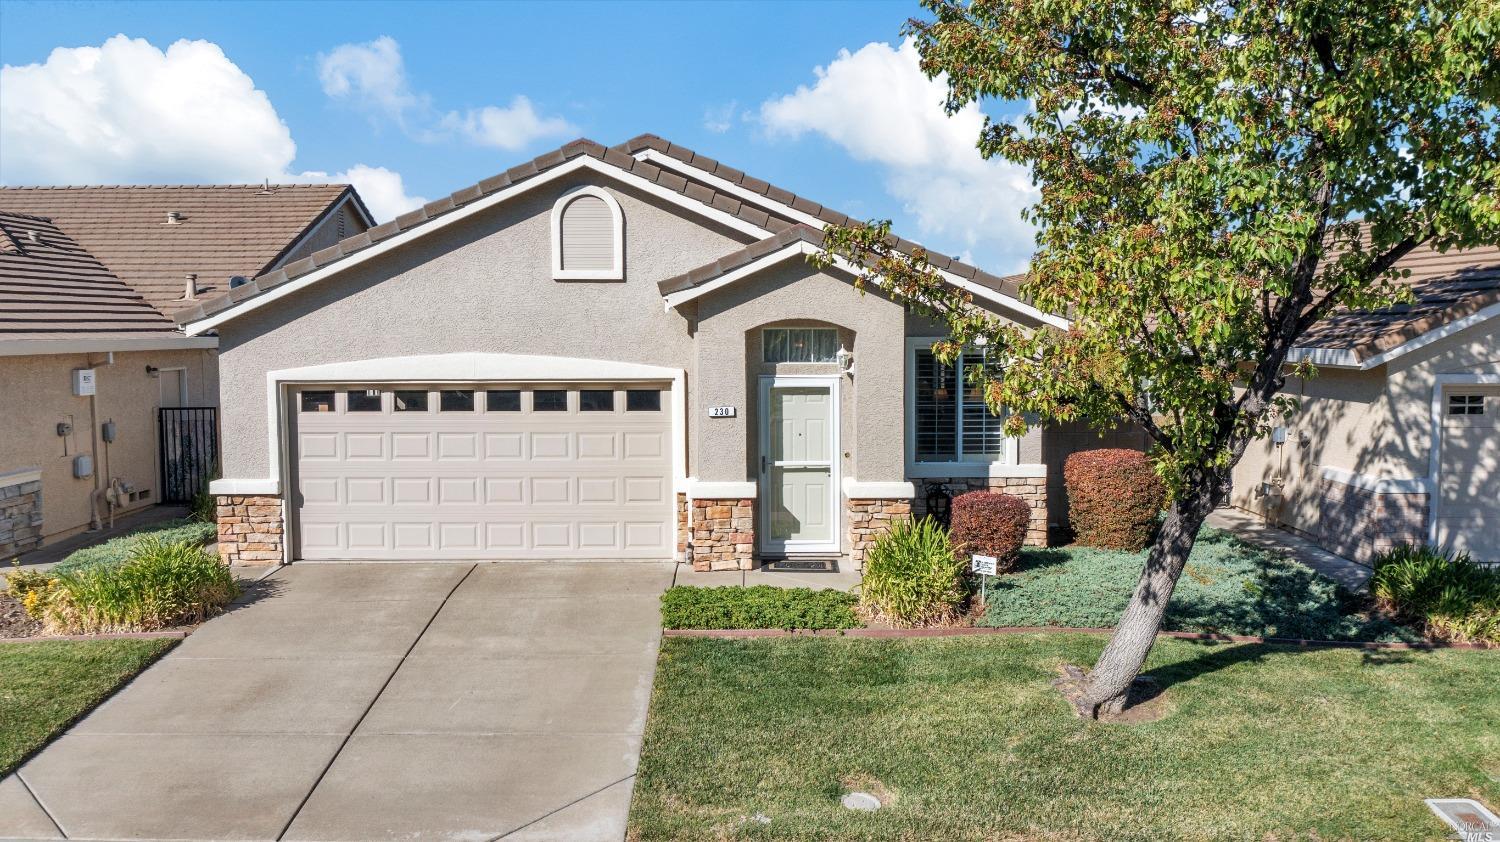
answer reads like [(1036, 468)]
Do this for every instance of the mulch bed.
[(14, 621)]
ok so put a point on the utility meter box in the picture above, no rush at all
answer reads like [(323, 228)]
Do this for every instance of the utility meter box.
[(83, 466), (83, 381), (107, 431)]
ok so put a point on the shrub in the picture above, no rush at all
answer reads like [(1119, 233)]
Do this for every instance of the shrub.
[(1449, 595), (912, 576), (33, 589), (992, 524), (757, 607), (160, 584), (116, 550), (1114, 497)]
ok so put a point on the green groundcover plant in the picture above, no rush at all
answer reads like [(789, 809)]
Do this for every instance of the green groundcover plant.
[(912, 576), (116, 550), (1449, 595), (1227, 587), (159, 585), (757, 607)]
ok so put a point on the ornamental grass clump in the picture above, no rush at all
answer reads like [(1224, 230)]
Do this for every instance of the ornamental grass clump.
[(912, 576), (1450, 596), (991, 524), (159, 585), (1114, 498)]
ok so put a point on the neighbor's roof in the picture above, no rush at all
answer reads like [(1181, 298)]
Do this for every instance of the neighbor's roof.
[(1446, 287), (623, 157), (51, 288), (225, 230)]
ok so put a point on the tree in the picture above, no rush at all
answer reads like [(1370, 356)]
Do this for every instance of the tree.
[(1215, 178)]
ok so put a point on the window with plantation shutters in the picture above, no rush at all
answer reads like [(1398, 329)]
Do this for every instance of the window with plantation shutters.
[(950, 420), (587, 231)]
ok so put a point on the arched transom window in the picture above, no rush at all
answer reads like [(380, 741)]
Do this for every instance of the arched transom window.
[(588, 242)]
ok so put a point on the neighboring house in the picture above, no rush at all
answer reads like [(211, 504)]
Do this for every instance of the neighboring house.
[(1397, 438), (601, 353), (88, 279)]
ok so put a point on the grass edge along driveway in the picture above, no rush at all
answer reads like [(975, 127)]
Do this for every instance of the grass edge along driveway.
[(757, 739), (47, 685)]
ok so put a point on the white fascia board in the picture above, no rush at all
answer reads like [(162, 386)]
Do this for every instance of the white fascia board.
[(584, 162), (697, 489), (268, 487), (725, 186), (41, 347), (857, 490), (1433, 335), (1378, 485), (1324, 357), (796, 249)]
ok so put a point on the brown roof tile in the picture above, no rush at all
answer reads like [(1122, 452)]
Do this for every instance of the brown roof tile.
[(51, 288), (226, 230)]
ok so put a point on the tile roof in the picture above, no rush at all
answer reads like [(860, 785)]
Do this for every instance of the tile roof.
[(1445, 286), (50, 288), (617, 156), (225, 230)]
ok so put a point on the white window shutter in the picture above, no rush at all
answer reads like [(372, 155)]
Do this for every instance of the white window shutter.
[(588, 235)]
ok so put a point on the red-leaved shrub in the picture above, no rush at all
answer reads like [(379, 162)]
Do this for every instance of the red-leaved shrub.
[(1114, 497), (992, 524)]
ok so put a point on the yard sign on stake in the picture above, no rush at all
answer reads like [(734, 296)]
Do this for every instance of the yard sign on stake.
[(984, 565)]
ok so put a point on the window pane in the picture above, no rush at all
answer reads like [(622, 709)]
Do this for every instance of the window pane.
[(983, 431), (801, 345), (596, 400), (503, 400), (936, 408), (362, 400), (317, 401), (643, 400), (825, 346), (549, 400), (456, 400), (411, 400), (775, 342)]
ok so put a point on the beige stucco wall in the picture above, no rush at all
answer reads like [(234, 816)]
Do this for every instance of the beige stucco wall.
[(39, 395), (1376, 423), (483, 284)]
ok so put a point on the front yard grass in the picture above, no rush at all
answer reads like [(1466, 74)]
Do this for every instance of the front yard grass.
[(48, 685), (757, 739), (1229, 587)]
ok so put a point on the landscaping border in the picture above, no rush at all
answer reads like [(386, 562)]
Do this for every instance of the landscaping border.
[(174, 633), (966, 631)]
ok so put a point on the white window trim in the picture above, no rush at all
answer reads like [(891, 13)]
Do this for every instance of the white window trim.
[(1006, 465), (1440, 386), (616, 271)]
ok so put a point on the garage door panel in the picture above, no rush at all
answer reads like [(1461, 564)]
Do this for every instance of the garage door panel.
[(484, 484), (1468, 500)]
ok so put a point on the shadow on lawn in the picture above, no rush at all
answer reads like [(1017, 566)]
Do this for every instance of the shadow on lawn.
[(1217, 656)]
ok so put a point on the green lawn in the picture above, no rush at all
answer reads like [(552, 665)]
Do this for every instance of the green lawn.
[(1228, 586), (46, 686), (1257, 742)]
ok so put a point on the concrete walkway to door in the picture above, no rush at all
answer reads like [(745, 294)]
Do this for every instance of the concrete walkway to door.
[(374, 701)]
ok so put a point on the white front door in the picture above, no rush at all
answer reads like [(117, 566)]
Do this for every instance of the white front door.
[(799, 475)]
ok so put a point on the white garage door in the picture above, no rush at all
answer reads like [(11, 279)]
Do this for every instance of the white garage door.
[(483, 472), (1468, 511)]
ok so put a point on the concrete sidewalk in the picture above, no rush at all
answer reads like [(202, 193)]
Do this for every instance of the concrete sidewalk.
[(1253, 530), (354, 702)]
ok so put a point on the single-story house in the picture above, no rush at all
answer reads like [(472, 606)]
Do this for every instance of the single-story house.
[(1397, 438), (89, 355), (605, 353)]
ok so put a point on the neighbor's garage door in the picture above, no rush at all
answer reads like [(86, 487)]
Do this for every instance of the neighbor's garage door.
[(483, 472), (1468, 510)]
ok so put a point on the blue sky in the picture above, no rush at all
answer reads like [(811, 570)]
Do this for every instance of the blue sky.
[(413, 101)]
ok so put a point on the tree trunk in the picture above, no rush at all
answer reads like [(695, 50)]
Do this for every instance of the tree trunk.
[(1107, 685)]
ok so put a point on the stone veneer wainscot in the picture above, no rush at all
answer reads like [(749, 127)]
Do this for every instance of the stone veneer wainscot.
[(20, 512), (723, 534), (1359, 524), (868, 520), (1031, 489), (250, 529)]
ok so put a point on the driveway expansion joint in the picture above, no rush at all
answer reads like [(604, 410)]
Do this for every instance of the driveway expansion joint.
[(40, 805)]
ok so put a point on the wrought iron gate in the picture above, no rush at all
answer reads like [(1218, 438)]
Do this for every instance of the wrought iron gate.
[(189, 438)]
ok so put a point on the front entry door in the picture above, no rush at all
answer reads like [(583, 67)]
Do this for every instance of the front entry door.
[(799, 476)]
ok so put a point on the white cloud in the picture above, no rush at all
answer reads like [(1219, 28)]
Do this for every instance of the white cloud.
[(127, 112), (373, 78), (373, 75), (720, 118), (879, 107), (510, 128)]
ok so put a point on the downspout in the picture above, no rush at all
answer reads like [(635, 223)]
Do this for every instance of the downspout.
[(95, 521)]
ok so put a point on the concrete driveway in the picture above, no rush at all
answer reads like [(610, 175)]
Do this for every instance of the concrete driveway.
[(373, 701)]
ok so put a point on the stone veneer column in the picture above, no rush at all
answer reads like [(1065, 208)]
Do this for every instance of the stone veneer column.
[(20, 512), (868, 520), (249, 529), (723, 534), (1031, 489)]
